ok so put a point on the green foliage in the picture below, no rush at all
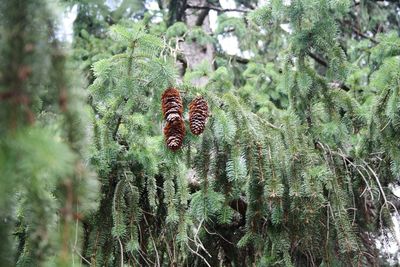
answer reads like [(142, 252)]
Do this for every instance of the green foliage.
[(199, 36), (231, 24), (176, 30), (261, 16), (42, 141), (294, 167)]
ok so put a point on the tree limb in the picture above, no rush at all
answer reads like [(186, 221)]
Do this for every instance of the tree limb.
[(359, 33), (220, 9), (321, 61), (236, 58), (317, 59)]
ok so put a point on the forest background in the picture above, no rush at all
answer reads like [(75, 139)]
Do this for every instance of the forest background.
[(297, 166)]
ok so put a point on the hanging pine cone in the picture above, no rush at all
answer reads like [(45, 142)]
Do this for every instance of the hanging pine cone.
[(198, 114), (174, 133), (171, 103), (172, 108)]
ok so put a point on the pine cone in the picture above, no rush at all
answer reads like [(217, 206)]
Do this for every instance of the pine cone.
[(171, 102), (174, 133), (172, 108), (198, 114)]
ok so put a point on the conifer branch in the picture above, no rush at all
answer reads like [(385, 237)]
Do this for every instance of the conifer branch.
[(317, 59), (236, 58), (219, 9), (93, 106), (359, 33), (119, 119), (321, 61)]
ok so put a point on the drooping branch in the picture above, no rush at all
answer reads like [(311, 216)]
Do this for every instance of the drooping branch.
[(239, 204), (322, 62), (317, 59), (359, 33)]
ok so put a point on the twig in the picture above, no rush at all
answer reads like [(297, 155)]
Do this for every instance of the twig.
[(344, 157), (352, 193), (122, 252), (141, 252), (80, 255), (327, 226), (270, 124), (197, 240), (386, 202), (218, 234), (195, 252), (154, 243), (76, 235), (384, 127)]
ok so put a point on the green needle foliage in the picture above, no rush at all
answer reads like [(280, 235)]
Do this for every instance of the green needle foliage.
[(44, 181), (295, 167)]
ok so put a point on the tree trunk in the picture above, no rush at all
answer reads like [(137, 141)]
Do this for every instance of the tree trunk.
[(194, 52)]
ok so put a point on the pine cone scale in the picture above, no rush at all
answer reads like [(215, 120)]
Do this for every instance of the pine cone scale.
[(174, 133)]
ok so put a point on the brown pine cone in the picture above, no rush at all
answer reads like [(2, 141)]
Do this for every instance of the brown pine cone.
[(198, 114), (171, 103), (174, 132)]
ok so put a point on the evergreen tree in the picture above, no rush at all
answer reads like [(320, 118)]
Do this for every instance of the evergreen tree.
[(44, 182), (295, 164)]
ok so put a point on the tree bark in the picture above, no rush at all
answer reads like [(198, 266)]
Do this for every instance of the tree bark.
[(194, 52)]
